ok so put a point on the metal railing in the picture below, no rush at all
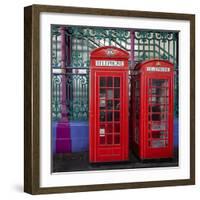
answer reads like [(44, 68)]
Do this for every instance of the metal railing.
[(80, 41)]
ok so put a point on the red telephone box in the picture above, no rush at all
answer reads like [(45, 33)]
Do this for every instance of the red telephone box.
[(152, 109), (108, 116)]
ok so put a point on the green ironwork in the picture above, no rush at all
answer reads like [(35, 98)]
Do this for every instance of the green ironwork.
[(82, 40)]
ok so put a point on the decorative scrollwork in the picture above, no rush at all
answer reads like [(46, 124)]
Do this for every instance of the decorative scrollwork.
[(148, 44), (76, 59), (56, 79), (141, 36), (83, 80)]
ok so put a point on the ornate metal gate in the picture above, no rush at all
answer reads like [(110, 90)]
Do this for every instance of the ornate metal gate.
[(79, 41)]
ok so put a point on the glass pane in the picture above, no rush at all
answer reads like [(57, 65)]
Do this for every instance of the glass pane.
[(117, 128), (159, 82), (109, 104), (102, 126), (163, 108), (102, 140), (117, 105), (109, 139), (155, 117), (156, 134), (162, 100), (109, 116), (117, 82), (158, 100), (158, 126), (159, 134), (102, 81), (163, 117), (116, 116), (117, 93), (136, 84), (158, 91), (109, 82), (156, 108), (117, 139), (102, 93), (109, 128), (102, 116), (158, 143), (109, 93)]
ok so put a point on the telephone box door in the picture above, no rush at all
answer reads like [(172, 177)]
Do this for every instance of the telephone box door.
[(109, 106), (159, 140), (111, 133)]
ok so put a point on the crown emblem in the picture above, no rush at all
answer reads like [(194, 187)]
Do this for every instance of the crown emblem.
[(158, 64), (110, 52)]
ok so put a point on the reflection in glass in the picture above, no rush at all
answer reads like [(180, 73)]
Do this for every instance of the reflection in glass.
[(156, 99), (117, 105), (109, 93), (102, 93), (102, 116), (109, 104), (158, 91), (158, 143), (158, 126)]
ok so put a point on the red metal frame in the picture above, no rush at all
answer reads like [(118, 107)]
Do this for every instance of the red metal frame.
[(108, 134), (153, 134)]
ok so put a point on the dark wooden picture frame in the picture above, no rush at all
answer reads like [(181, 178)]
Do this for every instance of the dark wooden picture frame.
[(32, 97)]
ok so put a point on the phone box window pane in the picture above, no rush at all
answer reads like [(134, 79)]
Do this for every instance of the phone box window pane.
[(117, 105), (117, 127), (110, 94), (102, 81), (116, 116), (109, 116), (116, 81), (109, 82), (109, 138), (117, 139), (117, 93), (102, 93), (109, 104), (102, 116), (109, 128)]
